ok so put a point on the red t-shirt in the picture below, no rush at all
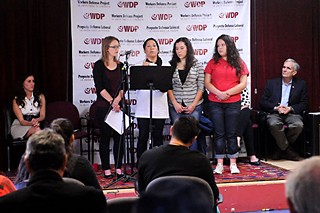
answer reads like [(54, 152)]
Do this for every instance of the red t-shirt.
[(223, 77)]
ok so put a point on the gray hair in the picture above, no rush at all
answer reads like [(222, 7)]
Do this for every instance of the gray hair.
[(296, 66), (45, 150), (303, 186)]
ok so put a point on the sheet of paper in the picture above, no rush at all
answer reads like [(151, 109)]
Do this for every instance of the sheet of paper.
[(115, 120)]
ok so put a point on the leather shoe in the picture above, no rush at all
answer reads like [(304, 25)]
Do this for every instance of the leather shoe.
[(290, 154), (255, 163)]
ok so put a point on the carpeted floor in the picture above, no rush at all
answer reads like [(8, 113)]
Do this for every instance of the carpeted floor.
[(248, 173)]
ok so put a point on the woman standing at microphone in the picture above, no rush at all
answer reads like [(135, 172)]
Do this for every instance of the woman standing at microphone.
[(160, 111), (107, 77)]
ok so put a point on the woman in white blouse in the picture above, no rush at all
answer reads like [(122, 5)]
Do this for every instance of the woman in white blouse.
[(29, 106), (160, 110)]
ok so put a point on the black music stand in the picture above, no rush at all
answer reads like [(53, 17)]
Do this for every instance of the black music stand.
[(151, 77)]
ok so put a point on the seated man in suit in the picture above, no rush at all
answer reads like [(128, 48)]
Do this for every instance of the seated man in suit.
[(285, 99), (46, 159), (303, 186), (176, 158)]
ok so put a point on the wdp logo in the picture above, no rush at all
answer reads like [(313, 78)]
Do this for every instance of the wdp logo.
[(127, 4), (193, 4), (200, 51), (88, 65), (88, 41), (235, 38), (91, 90), (197, 27), (161, 17), (165, 41), (128, 29), (229, 15), (94, 16)]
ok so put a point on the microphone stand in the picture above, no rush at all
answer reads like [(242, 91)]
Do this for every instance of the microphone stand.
[(125, 108)]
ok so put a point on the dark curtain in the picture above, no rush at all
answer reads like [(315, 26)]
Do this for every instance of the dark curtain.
[(36, 37), (285, 29)]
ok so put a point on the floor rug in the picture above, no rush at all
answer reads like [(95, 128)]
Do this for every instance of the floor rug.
[(248, 173)]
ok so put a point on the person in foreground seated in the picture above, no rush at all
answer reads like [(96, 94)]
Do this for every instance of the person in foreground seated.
[(46, 191), (6, 185), (78, 167), (285, 99), (176, 158), (303, 187)]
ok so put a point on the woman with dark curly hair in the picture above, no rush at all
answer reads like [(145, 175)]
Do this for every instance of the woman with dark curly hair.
[(29, 106), (225, 78), (187, 81)]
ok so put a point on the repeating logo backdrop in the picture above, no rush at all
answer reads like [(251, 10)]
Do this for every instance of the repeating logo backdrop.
[(134, 21)]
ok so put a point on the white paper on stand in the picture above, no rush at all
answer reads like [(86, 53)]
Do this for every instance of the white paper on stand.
[(115, 120)]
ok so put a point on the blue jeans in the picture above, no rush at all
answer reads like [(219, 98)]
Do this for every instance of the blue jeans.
[(225, 117), (175, 116)]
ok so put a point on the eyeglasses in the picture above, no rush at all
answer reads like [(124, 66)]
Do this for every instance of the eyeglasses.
[(115, 47)]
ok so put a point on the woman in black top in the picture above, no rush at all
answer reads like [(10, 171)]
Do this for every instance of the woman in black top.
[(107, 75)]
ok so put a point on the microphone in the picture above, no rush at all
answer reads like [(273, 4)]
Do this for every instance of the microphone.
[(128, 52)]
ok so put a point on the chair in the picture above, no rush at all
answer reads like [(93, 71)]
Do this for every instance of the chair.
[(64, 109), (94, 129), (121, 204), (267, 137), (9, 117), (171, 185), (73, 181)]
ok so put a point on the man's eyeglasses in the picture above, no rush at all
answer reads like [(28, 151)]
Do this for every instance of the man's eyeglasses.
[(115, 47)]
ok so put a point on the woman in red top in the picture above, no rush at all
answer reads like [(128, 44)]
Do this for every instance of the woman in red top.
[(225, 78)]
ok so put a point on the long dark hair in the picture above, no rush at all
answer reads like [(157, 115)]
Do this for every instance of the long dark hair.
[(21, 94), (64, 127), (159, 60), (190, 59), (233, 57)]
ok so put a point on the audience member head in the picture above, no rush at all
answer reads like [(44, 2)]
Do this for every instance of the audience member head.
[(185, 129), (64, 127), (303, 186), (184, 46), (6, 185), (151, 49), (27, 84), (226, 48), (175, 196), (46, 151), (110, 43)]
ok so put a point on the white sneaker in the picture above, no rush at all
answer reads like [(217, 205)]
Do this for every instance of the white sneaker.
[(218, 169), (234, 169)]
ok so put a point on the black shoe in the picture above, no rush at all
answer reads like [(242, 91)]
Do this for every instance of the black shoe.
[(255, 163), (290, 154), (108, 176)]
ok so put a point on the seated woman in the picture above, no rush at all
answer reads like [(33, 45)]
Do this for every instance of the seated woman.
[(29, 106), (78, 167), (245, 128)]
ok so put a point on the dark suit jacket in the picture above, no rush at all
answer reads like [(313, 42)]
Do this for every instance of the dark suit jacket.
[(47, 192), (298, 99)]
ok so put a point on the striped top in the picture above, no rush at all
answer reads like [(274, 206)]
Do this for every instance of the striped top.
[(195, 81)]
